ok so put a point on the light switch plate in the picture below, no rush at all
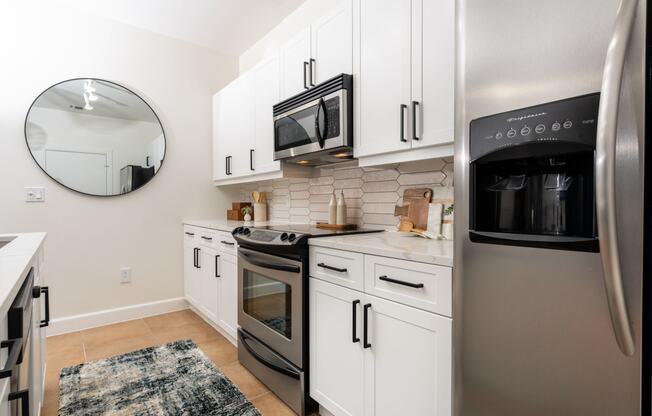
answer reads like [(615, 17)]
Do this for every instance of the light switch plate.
[(34, 194), (125, 275)]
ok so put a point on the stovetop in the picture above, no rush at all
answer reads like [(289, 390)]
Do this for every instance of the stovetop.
[(288, 234)]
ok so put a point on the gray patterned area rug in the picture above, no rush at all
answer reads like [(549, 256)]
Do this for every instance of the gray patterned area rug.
[(172, 379)]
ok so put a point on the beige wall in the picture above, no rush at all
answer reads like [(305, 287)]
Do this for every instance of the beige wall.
[(90, 238)]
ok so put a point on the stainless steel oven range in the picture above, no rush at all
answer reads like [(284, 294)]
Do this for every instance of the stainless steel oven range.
[(273, 307)]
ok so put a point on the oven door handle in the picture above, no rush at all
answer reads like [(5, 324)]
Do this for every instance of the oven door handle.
[(290, 372), (273, 266)]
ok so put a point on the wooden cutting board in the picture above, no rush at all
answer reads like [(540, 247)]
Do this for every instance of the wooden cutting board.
[(416, 202)]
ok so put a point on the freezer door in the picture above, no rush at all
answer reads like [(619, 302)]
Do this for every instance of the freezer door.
[(533, 331)]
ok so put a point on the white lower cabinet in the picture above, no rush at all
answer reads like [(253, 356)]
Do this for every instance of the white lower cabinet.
[(403, 369), (211, 276)]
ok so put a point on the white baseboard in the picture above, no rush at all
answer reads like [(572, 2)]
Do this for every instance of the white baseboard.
[(110, 316)]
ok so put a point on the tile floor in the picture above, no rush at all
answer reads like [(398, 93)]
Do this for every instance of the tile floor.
[(103, 342)]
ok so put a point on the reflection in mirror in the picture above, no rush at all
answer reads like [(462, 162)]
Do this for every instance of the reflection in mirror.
[(95, 137)]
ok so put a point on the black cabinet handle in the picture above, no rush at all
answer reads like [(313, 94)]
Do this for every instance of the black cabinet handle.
[(46, 291), (15, 346), (401, 282), (198, 257), (207, 238), (217, 265), (336, 269), (227, 243), (228, 165), (23, 396), (190, 234), (312, 79), (305, 75), (365, 330), (354, 314), (194, 258), (414, 120), (251, 159), (403, 108)]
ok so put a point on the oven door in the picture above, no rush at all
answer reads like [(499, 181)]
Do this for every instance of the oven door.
[(317, 125), (269, 301)]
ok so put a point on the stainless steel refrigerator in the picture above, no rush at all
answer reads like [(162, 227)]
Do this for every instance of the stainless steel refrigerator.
[(550, 301)]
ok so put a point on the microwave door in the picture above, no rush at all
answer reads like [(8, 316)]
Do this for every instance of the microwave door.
[(296, 129)]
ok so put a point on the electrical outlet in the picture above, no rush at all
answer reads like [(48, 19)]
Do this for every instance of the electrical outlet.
[(125, 275), (34, 194)]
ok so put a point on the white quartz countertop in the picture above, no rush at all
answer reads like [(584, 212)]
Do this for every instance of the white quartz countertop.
[(227, 225), (392, 244), (15, 260)]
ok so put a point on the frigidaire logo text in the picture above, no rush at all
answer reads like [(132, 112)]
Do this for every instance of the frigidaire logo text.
[(509, 120)]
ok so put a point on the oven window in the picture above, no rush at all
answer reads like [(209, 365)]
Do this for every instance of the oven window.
[(269, 302)]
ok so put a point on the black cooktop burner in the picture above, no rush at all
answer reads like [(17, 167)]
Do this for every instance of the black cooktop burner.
[(287, 234)]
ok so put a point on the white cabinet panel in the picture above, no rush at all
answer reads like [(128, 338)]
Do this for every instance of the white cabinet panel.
[(191, 274), (267, 93), (210, 284), (336, 378), (228, 294), (332, 44), (383, 83), (408, 366), (295, 56), (433, 70)]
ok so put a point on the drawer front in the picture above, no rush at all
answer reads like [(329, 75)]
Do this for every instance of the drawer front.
[(190, 235), (343, 268), (207, 238), (424, 286), (225, 242)]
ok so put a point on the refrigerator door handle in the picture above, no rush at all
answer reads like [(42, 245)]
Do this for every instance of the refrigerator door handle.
[(605, 180)]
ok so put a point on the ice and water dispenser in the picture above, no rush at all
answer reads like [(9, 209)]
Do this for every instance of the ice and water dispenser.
[(532, 176)]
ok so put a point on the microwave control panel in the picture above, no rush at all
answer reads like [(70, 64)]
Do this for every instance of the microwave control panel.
[(570, 120)]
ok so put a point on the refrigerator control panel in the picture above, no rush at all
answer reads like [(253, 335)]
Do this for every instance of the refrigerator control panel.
[(569, 121)]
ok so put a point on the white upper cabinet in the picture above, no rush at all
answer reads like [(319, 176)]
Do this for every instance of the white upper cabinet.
[(266, 93), (295, 62), (404, 79), (319, 52), (332, 44), (383, 81), (433, 71)]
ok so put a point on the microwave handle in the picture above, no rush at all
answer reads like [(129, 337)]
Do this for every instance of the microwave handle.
[(321, 107)]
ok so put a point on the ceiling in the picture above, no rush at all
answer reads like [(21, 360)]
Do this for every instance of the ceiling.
[(228, 26)]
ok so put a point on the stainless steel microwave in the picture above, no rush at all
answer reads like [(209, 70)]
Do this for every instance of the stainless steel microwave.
[(315, 127)]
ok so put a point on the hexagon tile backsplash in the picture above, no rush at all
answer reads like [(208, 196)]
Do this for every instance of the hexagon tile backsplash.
[(370, 193)]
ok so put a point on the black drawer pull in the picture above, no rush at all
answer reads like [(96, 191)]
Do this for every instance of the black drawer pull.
[(46, 291), (190, 234), (207, 238), (326, 266), (227, 243), (23, 396), (15, 347), (401, 282), (365, 330), (354, 313)]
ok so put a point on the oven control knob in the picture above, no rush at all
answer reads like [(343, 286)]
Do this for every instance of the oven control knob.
[(292, 237), (237, 230), (284, 236), (246, 231)]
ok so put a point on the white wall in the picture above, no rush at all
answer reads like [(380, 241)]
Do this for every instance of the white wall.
[(299, 19), (90, 238)]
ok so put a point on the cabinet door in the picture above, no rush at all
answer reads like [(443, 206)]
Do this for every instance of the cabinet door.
[(209, 283), (228, 295), (383, 76), (295, 55), (408, 366), (433, 71), (336, 359), (190, 280), (266, 81), (332, 44)]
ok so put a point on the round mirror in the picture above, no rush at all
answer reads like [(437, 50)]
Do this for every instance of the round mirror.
[(95, 137)]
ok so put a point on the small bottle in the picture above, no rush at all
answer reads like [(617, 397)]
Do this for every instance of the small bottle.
[(332, 210), (341, 209)]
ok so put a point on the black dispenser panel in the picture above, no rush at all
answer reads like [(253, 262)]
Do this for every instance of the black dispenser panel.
[(532, 176)]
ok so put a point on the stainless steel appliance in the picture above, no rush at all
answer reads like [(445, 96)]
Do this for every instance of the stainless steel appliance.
[(18, 366), (316, 126), (133, 177), (273, 307), (551, 311)]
